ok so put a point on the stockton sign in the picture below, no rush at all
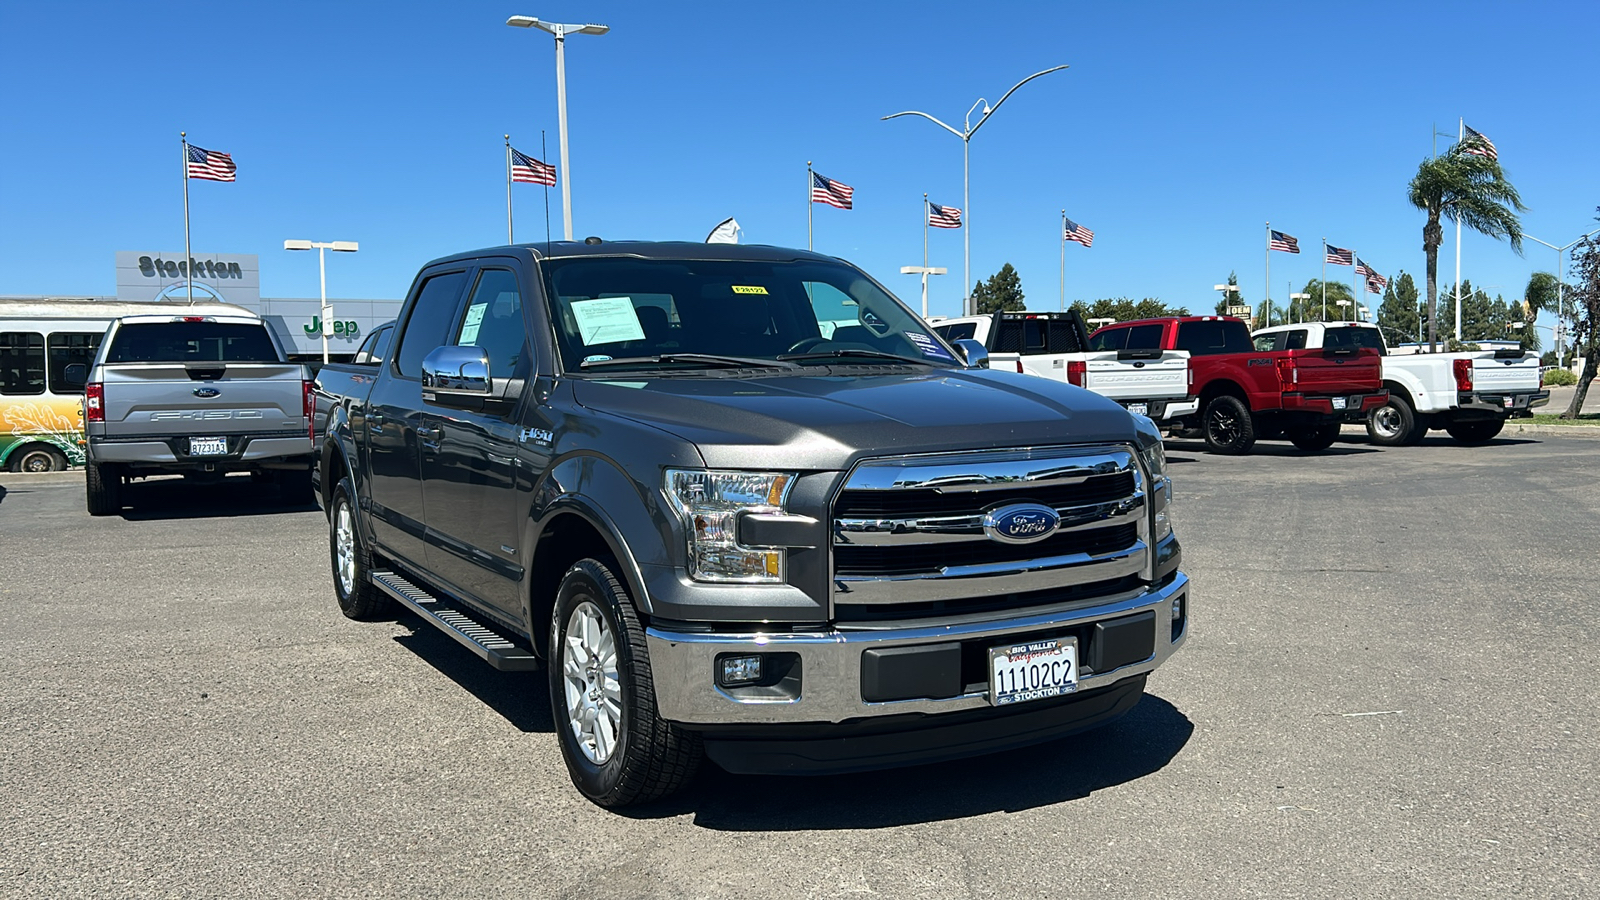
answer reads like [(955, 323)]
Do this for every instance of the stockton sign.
[(203, 268), (150, 275)]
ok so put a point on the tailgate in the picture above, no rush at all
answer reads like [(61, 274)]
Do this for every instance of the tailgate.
[(1139, 375), (214, 398), (1336, 371), (1497, 376)]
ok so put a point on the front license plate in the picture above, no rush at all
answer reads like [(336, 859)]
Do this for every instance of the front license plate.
[(1033, 671), (208, 446), (1338, 403), (1139, 409)]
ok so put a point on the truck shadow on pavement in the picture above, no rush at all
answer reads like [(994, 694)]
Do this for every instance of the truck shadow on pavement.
[(1137, 745), (1274, 447), (174, 498), (521, 698)]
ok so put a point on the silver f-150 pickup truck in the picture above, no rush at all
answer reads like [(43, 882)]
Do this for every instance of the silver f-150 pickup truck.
[(740, 503)]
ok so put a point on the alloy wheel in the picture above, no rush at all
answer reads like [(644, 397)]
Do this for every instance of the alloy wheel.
[(344, 543), (1386, 421), (593, 691)]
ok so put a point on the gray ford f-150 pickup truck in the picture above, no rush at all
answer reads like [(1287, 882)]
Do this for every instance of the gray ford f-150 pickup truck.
[(740, 503)]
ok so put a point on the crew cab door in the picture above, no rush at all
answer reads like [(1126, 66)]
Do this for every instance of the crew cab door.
[(394, 490), (469, 456), (1233, 356)]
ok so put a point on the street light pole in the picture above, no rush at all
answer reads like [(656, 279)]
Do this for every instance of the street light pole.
[(966, 171), (1561, 282), (560, 32), (322, 274)]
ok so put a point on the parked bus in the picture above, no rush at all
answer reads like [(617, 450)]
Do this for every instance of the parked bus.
[(41, 411)]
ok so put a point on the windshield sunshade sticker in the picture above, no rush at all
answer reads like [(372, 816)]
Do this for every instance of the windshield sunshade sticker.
[(928, 345), (608, 320), (749, 289)]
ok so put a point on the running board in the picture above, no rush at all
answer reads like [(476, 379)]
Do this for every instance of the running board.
[(494, 649)]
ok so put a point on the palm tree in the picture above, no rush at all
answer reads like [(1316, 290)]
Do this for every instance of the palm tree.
[(1466, 188)]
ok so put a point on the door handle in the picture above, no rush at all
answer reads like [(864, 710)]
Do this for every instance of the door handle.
[(430, 431)]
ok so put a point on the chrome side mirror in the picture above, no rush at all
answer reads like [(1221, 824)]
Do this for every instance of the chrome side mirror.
[(976, 354), (456, 370)]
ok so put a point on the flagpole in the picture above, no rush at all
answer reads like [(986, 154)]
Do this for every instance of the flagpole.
[(187, 253), (1355, 287), (1461, 132), (510, 234), (1268, 301), (1063, 236), (544, 156), (809, 182), (925, 213), (1324, 281)]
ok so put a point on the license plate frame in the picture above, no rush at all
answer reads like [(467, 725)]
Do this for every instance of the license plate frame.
[(1339, 403), (1139, 409), (1510, 400), (1033, 670), (208, 446)]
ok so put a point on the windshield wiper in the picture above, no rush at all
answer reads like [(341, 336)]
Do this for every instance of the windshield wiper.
[(714, 359), (835, 354)]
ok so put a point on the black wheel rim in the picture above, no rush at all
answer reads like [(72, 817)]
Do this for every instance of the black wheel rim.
[(1224, 426)]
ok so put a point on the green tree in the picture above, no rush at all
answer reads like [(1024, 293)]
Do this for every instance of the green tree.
[(1398, 315), (1543, 292), (1585, 316), (1312, 310), (1001, 293), (1231, 298), (1466, 188), (1124, 309)]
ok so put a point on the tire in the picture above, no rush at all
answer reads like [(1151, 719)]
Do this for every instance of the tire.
[(1392, 424), (1229, 427), (618, 750), (1477, 431), (294, 487), (351, 560), (39, 458), (1314, 438), (1420, 431), (102, 489)]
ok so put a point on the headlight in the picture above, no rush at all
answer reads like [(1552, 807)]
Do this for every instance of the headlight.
[(709, 503), (1154, 456)]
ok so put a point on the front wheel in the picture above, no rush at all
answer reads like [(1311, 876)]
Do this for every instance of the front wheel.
[(1477, 431), (618, 750), (1316, 437), (1228, 425)]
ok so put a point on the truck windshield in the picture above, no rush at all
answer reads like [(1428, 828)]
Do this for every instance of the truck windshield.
[(616, 313), (191, 342)]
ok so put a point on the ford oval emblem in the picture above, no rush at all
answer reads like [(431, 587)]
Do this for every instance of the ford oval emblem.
[(1020, 523), (207, 392)]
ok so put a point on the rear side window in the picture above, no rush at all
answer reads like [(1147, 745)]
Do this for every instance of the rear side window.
[(1109, 339), (961, 331), (1266, 343), (1348, 338), (21, 362), (192, 342), (1297, 339), (69, 348), (1212, 336), (429, 324), (1145, 337)]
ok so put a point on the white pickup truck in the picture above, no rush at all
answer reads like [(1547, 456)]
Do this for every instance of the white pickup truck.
[(1468, 394), (1153, 383)]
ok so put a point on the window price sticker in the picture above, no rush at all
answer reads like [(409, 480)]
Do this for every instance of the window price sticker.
[(928, 345)]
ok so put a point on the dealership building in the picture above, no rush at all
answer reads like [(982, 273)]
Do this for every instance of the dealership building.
[(149, 276)]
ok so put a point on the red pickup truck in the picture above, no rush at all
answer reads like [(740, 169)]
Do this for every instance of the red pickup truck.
[(1245, 393)]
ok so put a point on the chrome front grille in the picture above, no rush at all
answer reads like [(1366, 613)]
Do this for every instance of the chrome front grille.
[(910, 530)]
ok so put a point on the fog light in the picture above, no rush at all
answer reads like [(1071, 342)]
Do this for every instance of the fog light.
[(736, 670), (1177, 616)]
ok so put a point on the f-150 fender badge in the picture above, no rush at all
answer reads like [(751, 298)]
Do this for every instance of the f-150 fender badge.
[(207, 392), (537, 435), (1020, 523)]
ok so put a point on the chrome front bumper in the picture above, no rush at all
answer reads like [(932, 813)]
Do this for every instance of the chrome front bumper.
[(683, 663)]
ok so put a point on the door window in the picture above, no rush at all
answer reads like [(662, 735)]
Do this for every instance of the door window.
[(493, 321), (21, 362), (1211, 336), (1109, 339), (1266, 343), (428, 326), (1144, 337), (70, 348)]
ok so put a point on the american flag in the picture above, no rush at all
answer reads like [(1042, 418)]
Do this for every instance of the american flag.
[(1339, 256), (833, 193), (1362, 268), (943, 216), (1072, 231), (1478, 145), (209, 165), (527, 170), (1376, 283), (1281, 241)]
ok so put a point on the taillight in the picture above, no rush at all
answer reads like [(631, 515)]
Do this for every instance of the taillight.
[(1463, 370), (94, 402), (1288, 373), (1019, 367), (1076, 370), (310, 398), (1190, 367)]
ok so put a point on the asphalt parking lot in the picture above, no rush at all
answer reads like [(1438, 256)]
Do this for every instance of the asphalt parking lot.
[(1388, 692)]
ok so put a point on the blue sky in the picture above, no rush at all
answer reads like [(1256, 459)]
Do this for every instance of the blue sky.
[(1179, 130)]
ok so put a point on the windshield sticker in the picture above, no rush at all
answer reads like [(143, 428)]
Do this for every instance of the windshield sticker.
[(928, 345), (749, 289), (469, 328), (596, 357), (607, 321)]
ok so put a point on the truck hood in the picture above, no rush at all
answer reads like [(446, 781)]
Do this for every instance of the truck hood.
[(828, 420)]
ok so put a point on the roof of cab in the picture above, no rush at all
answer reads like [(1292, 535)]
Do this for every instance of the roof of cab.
[(643, 250)]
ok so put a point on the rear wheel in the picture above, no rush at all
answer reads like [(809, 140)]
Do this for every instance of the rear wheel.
[(39, 458), (1393, 423), (1229, 427), (618, 749), (358, 599), (102, 489), (1477, 431), (1319, 436)]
